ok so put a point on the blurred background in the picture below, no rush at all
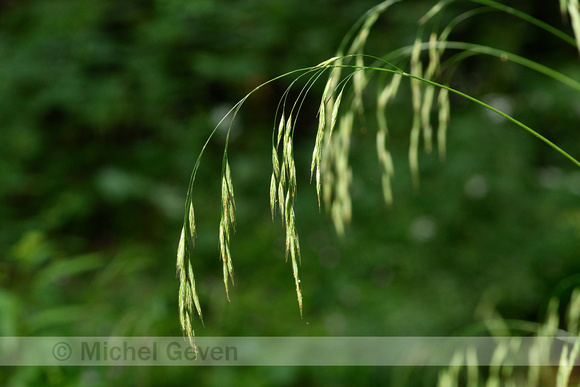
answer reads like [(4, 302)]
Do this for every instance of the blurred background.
[(105, 105)]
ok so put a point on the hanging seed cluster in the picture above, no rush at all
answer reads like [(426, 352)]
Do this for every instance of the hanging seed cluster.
[(337, 114), (283, 192)]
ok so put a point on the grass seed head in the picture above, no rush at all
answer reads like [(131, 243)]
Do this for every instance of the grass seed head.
[(443, 102)]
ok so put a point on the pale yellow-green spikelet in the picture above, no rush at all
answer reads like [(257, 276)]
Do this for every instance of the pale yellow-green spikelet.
[(323, 151), (275, 164), (328, 173), (387, 94), (359, 82), (382, 100), (274, 181), (281, 129), (442, 99), (357, 47), (395, 84), (569, 356), (337, 219), (273, 193), (330, 87), (497, 358), (443, 102), (181, 251), (449, 377), (472, 367), (288, 241), (426, 109), (230, 188), (327, 95), (287, 207), (185, 314), (291, 189), (541, 347), (360, 40), (562, 375), (226, 203), (288, 132), (191, 221), (433, 11), (567, 364), (283, 172), (568, 360), (226, 224), (343, 169), (290, 168), (383, 154), (292, 174), (194, 295), (184, 297), (414, 154), (573, 316), (230, 266), (281, 200), (342, 177), (429, 93), (387, 166), (295, 254), (416, 70), (225, 195), (320, 134), (318, 186), (187, 292), (278, 172), (288, 177), (335, 112), (315, 165), (296, 239), (387, 190), (223, 252), (183, 294), (286, 159)]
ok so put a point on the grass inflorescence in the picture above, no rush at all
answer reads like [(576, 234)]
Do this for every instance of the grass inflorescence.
[(227, 222), (342, 105)]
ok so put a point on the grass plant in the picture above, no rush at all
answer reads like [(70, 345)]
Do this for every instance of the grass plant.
[(348, 75)]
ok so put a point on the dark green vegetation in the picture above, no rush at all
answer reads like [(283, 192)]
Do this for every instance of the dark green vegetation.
[(104, 107)]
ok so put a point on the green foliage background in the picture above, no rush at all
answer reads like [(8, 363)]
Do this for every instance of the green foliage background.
[(105, 105)]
